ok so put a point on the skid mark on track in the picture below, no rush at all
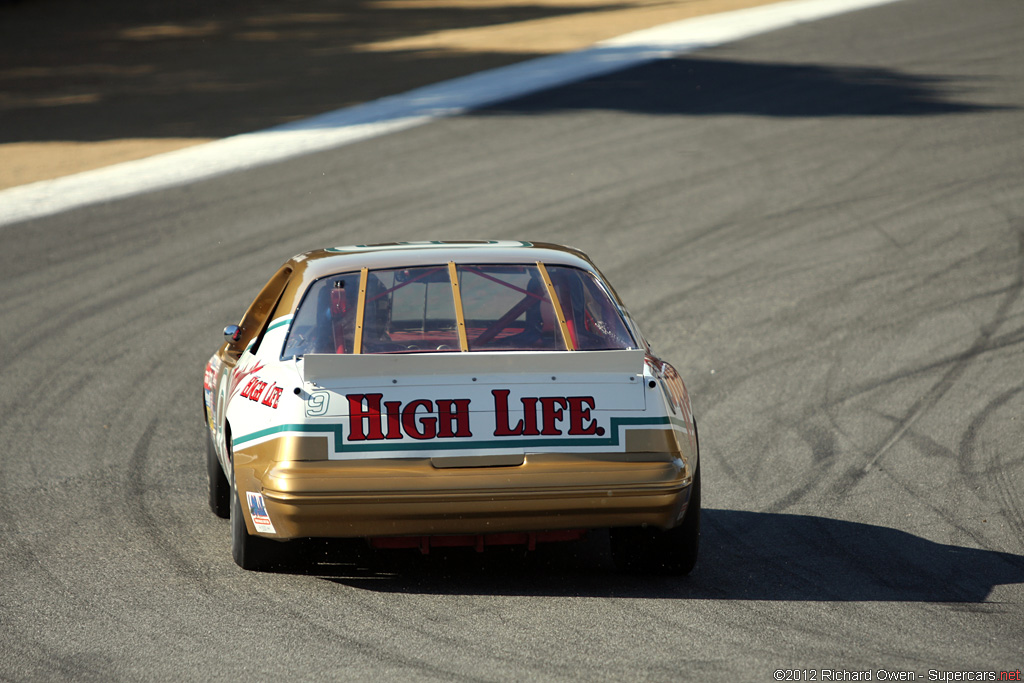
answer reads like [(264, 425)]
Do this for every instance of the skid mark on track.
[(393, 652), (1006, 491), (140, 513), (822, 444), (981, 344), (952, 367), (985, 342)]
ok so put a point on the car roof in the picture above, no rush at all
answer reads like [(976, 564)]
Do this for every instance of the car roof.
[(321, 262), (305, 268)]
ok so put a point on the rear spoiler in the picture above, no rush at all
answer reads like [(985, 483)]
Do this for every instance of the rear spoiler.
[(316, 366)]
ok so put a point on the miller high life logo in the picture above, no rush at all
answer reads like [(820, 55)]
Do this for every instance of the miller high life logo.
[(257, 390), (371, 418)]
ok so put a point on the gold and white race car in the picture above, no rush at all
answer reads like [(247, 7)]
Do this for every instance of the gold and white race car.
[(448, 393)]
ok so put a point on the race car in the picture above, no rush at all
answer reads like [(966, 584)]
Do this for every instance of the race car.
[(437, 394)]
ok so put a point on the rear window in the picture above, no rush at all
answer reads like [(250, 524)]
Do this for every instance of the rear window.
[(414, 310), (593, 320), (508, 308), (410, 310)]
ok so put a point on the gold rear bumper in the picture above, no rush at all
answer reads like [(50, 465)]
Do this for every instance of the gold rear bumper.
[(365, 498)]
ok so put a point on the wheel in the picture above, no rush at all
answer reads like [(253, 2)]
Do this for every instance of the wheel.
[(250, 552), (657, 551), (220, 489)]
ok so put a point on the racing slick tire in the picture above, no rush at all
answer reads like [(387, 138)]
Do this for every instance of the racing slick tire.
[(220, 489), (250, 552), (639, 550)]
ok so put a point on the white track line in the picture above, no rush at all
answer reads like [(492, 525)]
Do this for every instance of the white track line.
[(413, 108)]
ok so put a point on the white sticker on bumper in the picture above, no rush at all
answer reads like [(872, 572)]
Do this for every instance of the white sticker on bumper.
[(258, 512)]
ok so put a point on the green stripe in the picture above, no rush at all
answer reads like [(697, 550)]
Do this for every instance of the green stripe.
[(279, 322), (428, 445), (273, 326), (325, 428)]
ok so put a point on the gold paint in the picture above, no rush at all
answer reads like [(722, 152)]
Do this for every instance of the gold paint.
[(357, 345), (539, 473), (457, 295), (256, 315), (289, 448), (502, 460), (566, 338), (381, 497), (650, 441), (423, 495)]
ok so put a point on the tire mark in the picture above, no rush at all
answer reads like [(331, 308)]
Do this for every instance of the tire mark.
[(146, 520), (822, 444), (994, 344), (956, 365), (284, 606), (1006, 494), (981, 344)]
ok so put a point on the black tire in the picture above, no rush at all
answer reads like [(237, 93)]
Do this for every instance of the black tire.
[(250, 552), (220, 489), (657, 551)]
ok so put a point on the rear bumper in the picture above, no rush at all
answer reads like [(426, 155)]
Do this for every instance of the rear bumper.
[(412, 497)]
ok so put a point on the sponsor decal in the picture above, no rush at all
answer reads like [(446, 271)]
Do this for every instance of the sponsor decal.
[(210, 375), (241, 374), (209, 385), (415, 418), (258, 391), (371, 418), (258, 512), (544, 416)]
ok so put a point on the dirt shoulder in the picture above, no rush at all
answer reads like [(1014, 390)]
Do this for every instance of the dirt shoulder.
[(117, 80)]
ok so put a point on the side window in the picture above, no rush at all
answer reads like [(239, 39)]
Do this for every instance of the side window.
[(325, 321), (593, 320)]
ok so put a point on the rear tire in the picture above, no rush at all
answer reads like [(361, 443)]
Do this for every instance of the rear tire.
[(657, 551), (250, 552), (220, 489)]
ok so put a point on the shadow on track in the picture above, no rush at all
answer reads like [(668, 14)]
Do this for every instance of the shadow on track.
[(689, 86), (744, 556), (114, 69)]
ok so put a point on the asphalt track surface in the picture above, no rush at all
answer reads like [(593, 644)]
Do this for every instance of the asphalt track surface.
[(822, 227)]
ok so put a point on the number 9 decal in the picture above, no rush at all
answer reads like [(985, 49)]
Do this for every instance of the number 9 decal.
[(316, 404)]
